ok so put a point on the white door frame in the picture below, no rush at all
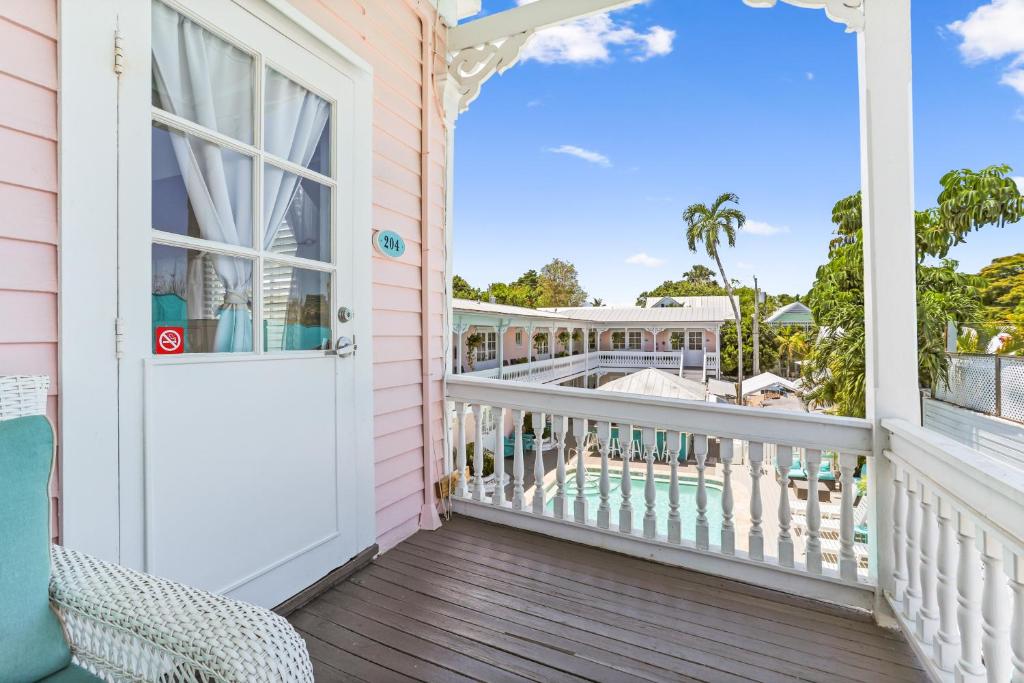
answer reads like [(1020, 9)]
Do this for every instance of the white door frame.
[(97, 461)]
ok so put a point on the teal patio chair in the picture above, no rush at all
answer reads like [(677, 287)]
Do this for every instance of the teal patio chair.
[(66, 617), (825, 472)]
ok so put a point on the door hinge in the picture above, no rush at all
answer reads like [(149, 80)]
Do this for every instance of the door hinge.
[(118, 54), (119, 334)]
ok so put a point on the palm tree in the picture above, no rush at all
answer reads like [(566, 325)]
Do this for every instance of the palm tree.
[(792, 343), (596, 302), (707, 225)]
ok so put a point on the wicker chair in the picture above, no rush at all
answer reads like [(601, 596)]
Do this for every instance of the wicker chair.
[(124, 625)]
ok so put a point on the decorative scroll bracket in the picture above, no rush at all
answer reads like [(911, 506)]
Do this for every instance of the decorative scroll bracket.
[(472, 66), (848, 12)]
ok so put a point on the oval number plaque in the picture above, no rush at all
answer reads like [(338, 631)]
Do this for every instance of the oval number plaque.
[(389, 243)]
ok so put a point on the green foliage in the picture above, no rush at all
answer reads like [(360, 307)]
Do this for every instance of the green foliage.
[(1003, 292), (968, 201), (488, 469), (559, 285), (792, 344), (462, 289), (682, 287)]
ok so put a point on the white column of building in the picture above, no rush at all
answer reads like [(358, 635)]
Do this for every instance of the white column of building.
[(502, 328), (890, 286), (529, 350), (460, 328)]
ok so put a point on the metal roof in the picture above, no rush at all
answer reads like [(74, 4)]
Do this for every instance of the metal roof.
[(795, 313), (703, 309), (652, 382)]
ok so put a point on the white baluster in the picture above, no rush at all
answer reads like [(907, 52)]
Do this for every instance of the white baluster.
[(899, 534), (1016, 571), (847, 557), (650, 519), (498, 497), (947, 639), (700, 453), (461, 485), (538, 463), (812, 461), (995, 611), (675, 522), (604, 509), (559, 427), (928, 615), (518, 493), (478, 454), (912, 594), (969, 667), (626, 508), (728, 530), (579, 431), (755, 538), (783, 462)]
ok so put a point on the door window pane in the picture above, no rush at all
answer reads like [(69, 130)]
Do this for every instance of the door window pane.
[(208, 296), (297, 124), (296, 308), (200, 77), (298, 215), (200, 189), (696, 341)]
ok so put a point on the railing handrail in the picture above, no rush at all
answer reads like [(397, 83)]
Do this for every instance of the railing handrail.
[(844, 434), (982, 486)]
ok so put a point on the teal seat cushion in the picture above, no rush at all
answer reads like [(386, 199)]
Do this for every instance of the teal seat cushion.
[(32, 644), (72, 674)]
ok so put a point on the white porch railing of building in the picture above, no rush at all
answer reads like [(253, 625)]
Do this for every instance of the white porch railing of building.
[(784, 544), (639, 359), (547, 370), (958, 555), (985, 383)]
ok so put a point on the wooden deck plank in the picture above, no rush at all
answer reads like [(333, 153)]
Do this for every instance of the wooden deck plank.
[(481, 602), (566, 575), (749, 644)]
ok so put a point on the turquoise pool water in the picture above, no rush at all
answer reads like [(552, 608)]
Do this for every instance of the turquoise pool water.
[(687, 501)]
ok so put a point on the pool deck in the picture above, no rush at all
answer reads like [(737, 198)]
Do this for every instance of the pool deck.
[(480, 602)]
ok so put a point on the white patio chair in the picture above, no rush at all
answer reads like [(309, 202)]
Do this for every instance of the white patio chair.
[(124, 625)]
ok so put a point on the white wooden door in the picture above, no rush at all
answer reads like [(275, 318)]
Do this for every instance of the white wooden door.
[(245, 458)]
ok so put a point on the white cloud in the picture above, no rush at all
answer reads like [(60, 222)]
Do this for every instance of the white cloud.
[(994, 31), (534, 103), (589, 40), (763, 229), (585, 154), (1020, 182), (809, 75), (1019, 114), (642, 259)]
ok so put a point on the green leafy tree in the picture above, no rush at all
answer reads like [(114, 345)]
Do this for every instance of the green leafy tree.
[(700, 274), (463, 290), (968, 201), (559, 285), (792, 344), (596, 302), (708, 226)]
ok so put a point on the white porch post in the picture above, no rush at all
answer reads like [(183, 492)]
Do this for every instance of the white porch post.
[(529, 350), (571, 330), (460, 329), (501, 328), (890, 285)]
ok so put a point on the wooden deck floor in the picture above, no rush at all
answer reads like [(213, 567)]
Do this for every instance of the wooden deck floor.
[(478, 602)]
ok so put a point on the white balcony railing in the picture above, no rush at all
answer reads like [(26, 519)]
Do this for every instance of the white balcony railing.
[(957, 555), (637, 498), (639, 359)]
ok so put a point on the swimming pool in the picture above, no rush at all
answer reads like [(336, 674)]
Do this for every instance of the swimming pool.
[(687, 500)]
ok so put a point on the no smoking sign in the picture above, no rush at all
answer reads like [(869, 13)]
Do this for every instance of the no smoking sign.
[(170, 340)]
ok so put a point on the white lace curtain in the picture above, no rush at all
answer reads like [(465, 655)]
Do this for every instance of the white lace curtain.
[(204, 79)]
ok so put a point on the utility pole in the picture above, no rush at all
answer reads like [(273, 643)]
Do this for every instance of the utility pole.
[(756, 331)]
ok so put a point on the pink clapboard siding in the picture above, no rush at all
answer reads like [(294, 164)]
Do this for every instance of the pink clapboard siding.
[(388, 34), (28, 196)]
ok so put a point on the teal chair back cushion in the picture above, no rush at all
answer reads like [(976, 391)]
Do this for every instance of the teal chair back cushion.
[(32, 644)]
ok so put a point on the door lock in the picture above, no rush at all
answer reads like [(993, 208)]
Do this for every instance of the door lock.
[(345, 346), (344, 314)]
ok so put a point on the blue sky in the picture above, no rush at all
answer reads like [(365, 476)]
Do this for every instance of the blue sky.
[(590, 149)]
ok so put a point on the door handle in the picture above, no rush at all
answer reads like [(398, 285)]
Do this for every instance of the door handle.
[(345, 346)]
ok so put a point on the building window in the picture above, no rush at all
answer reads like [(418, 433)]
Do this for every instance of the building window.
[(635, 339), (519, 338), (488, 347), (243, 223), (540, 344), (618, 341), (695, 341), (677, 341), (592, 340)]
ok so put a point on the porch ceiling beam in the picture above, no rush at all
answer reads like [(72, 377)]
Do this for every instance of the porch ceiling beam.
[(526, 18), (848, 12)]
